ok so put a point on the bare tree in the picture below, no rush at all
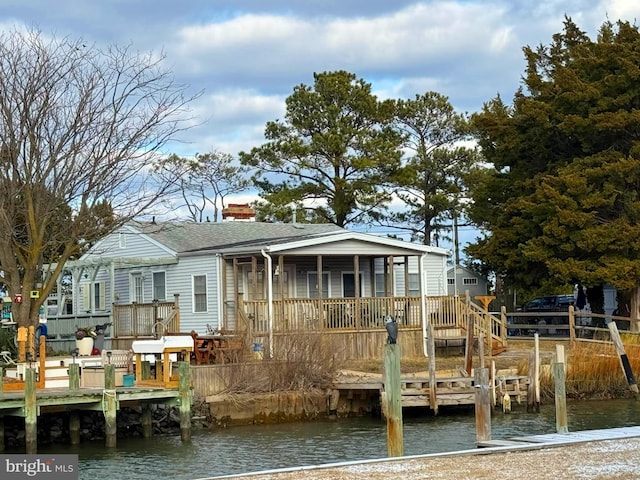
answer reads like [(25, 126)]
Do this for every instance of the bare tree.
[(206, 181), (79, 127)]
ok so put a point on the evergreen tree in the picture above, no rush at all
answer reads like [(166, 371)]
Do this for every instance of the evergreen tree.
[(560, 201), (333, 155)]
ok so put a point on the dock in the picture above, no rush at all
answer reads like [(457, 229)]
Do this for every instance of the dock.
[(416, 390), (29, 399)]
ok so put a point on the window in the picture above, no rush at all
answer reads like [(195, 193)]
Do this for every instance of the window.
[(199, 293), (122, 240), (469, 281), (159, 289), (312, 284), (137, 287), (98, 296), (413, 289), (379, 284), (349, 284), (93, 296), (451, 281)]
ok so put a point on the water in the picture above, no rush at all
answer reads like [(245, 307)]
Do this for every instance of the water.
[(253, 448)]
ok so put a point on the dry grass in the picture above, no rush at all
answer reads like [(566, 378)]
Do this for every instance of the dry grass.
[(301, 363)]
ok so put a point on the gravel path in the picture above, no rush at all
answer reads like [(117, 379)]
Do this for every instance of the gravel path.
[(607, 459)]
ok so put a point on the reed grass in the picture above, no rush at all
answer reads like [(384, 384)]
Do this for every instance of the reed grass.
[(593, 370)]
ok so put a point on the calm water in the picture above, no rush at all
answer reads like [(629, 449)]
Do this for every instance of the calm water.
[(248, 449)]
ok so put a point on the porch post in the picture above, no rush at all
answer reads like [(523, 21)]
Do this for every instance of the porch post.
[(358, 313), (224, 308), (320, 285), (281, 289), (390, 286), (423, 304)]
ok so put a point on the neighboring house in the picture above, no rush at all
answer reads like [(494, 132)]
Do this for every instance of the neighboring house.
[(216, 271), (461, 280)]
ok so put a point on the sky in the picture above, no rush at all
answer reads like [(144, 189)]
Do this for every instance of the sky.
[(246, 56)]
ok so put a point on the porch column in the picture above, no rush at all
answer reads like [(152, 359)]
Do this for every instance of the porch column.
[(389, 285), (320, 285), (254, 278), (406, 275), (224, 308), (423, 305), (281, 289), (358, 313)]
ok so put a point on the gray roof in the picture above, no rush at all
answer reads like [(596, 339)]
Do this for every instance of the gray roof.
[(184, 237)]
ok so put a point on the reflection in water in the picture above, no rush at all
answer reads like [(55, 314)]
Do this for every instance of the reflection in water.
[(247, 449)]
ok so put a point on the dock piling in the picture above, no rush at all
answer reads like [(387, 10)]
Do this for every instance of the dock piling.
[(30, 412), (109, 406), (147, 421), (392, 388), (482, 405), (74, 377), (559, 376), (184, 387), (74, 427)]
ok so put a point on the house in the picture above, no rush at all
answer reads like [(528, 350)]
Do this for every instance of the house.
[(251, 276), (462, 281)]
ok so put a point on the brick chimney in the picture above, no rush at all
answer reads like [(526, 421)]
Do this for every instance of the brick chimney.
[(238, 211)]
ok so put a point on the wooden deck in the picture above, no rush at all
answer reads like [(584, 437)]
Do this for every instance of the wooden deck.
[(450, 390), (558, 439)]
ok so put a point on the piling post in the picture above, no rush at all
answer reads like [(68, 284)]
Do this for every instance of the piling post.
[(536, 346), (468, 352), (184, 387), (392, 388), (482, 405), (30, 412), (572, 326), (1, 381), (74, 377), (147, 421), (531, 388), (559, 376), (74, 427), (624, 360), (431, 351), (492, 378), (109, 406)]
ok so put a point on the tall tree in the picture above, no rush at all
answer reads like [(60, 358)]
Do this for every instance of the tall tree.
[(431, 182), (332, 156), (207, 180), (561, 200), (78, 128)]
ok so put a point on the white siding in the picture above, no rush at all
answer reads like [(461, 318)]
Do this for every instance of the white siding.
[(136, 246), (180, 280)]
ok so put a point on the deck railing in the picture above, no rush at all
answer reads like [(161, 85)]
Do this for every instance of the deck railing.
[(138, 319), (368, 313), (332, 313)]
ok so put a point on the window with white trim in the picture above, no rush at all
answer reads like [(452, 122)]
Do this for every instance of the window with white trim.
[(451, 281), (469, 281), (199, 293), (414, 285), (159, 286)]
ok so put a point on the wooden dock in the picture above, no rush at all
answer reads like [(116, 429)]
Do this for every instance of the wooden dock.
[(31, 402), (558, 439), (416, 390)]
